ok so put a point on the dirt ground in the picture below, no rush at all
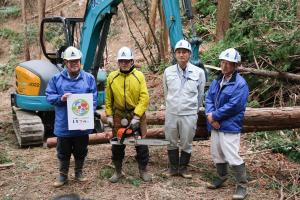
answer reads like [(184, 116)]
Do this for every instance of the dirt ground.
[(36, 168)]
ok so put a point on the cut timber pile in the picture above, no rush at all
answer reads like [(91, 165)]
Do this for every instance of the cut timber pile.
[(256, 119)]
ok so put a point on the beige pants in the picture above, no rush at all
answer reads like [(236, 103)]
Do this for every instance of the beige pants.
[(225, 148), (181, 127)]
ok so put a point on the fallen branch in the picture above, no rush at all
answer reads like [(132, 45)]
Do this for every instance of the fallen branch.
[(6, 165), (279, 75)]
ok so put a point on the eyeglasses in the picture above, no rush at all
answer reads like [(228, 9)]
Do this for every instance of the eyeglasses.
[(124, 61)]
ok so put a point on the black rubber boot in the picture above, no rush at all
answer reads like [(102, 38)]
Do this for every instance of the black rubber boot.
[(241, 178), (222, 170), (63, 173), (183, 163), (78, 171), (118, 172), (173, 163)]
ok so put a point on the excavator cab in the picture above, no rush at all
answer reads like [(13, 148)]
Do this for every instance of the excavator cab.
[(56, 34)]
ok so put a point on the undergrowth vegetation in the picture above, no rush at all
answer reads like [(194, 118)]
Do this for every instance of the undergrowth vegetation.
[(267, 34), (15, 52), (286, 142)]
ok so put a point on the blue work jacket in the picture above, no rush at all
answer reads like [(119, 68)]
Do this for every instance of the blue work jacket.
[(60, 84), (227, 104)]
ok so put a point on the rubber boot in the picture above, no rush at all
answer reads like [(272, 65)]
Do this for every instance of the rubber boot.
[(241, 178), (222, 170), (183, 163), (78, 171), (145, 176), (63, 173), (118, 172), (173, 163)]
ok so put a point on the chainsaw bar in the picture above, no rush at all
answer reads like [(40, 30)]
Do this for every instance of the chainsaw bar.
[(149, 142)]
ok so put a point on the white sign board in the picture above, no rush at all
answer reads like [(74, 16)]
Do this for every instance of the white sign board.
[(80, 111)]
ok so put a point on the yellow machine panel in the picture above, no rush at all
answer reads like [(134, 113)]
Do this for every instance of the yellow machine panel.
[(27, 83)]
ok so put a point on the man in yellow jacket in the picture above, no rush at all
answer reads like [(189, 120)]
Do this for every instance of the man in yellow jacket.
[(126, 101)]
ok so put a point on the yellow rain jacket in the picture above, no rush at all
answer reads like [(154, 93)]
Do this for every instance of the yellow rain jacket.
[(126, 93)]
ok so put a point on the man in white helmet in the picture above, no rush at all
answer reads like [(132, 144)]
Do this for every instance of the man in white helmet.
[(72, 80), (126, 102), (225, 106), (184, 89)]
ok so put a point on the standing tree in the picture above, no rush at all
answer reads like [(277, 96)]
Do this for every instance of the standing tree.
[(298, 9), (26, 43), (223, 10), (41, 11)]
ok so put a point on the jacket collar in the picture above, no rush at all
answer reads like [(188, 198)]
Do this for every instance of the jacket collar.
[(125, 74), (232, 79)]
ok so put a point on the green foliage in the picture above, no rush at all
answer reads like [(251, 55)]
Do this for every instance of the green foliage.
[(10, 11), (135, 182), (106, 172), (4, 158), (206, 7), (266, 33), (286, 142)]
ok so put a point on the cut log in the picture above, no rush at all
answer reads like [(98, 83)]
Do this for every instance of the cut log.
[(256, 119), (102, 138)]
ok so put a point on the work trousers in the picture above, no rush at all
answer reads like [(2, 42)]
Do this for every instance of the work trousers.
[(72, 145), (142, 154), (181, 127), (225, 148)]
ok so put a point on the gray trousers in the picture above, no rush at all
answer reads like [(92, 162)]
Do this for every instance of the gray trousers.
[(181, 127)]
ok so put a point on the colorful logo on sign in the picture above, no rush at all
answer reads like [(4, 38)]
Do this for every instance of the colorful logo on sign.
[(80, 107)]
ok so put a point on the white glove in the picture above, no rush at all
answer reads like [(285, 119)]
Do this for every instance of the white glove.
[(135, 120), (110, 121)]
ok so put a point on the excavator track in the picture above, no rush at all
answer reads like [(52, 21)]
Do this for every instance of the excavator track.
[(28, 127)]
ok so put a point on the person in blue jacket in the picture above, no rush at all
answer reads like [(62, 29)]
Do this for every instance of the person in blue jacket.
[(72, 80), (225, 106)]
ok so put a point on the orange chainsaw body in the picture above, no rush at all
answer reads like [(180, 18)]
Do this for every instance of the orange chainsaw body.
[(124, 131)]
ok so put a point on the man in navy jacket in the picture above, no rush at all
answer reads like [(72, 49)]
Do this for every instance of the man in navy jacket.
[(225, 107), (72, 80)]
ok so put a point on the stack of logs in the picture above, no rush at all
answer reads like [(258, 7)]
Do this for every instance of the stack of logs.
[(256, 119)]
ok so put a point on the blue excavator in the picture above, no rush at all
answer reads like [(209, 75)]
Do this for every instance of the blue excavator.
[(33, 116)]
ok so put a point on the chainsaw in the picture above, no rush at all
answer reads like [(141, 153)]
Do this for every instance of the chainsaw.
[(131, 136)]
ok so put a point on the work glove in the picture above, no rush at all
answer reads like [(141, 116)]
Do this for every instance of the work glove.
[(135, 122), (110, 121)]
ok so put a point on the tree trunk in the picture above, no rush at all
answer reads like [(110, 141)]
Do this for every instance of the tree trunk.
[(164, 35), (152, 20), (279, 75), (223, 10), (41, 11), (298, 9), (26, 43)]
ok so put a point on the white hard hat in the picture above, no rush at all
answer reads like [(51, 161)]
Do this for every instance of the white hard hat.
[(183, 44), (72, 53), (230, 55), (125, 53)]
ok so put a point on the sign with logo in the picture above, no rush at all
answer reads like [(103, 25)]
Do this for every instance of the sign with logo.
[(80, 111)]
